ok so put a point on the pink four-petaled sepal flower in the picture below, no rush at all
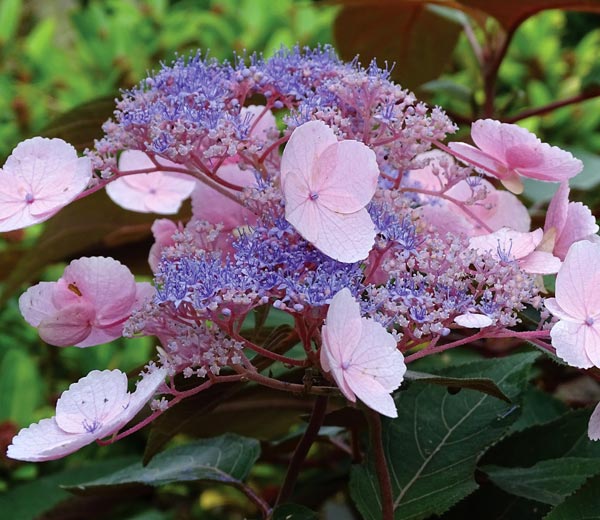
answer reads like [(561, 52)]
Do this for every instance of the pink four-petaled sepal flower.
[(326, 185), (510, 152), (567, 223), (97, 406), (40, 177), (159, 192), (576, 337), (87, 306), (507, 245), (361, 355)]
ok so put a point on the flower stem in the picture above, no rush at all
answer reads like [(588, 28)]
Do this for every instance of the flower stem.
[(383, 474), (312, 430)]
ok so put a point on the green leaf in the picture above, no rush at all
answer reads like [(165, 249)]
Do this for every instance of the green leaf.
[(20, 387), (417, 40), (548, 481), (293, 512), (582, 505), (226, 459), (491, 503), (487, 386), (538, 407), (29, 501), (10, 13), (563, 437), (433, 446)]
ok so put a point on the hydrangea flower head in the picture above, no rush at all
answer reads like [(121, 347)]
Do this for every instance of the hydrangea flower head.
[(87, 306), (40, 177), (361, 355), (326, 185), (576, 337), (156, 192), (509, 151), (96, 406)]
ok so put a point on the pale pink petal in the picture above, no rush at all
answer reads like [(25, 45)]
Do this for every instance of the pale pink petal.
[(361, 355), (145, 390), (495, 138), (300, 211), (431, 177), (163, 231), (552, 305), (371, 392), (540, 262), (46, 441), (36, 303), (556, 216), (58, 190), (507, 243), (38, 181), (579, 225), (262, 122), (144, 292), (472, 320), (341, 333), (92, 401), (50, 168), (509, 212), (305, 145), (376, 355), (521, 151), (343, 237), (444, 217), (594, 424), (102, 335), (106, 283), (332, 364), (591, 340), (569, 339), (513, 183), (578, 281), (12, 196), (345, 177), (157, 192), (68, 326), (210, 205)]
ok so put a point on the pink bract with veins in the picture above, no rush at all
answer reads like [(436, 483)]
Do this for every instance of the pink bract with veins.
[(97, 406), (509, 151), (576, 337), (326, 185), (361, 355), (159, 192), (508, 245), (87, 306), (40, 177), (567, 223)]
